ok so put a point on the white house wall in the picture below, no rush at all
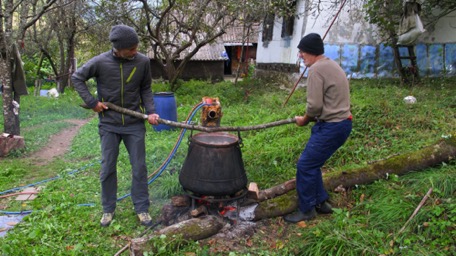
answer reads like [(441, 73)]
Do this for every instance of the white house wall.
[(353, 43), (280, 50), (443, 32)]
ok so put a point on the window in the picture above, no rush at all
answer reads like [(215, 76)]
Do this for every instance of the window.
[(268, 26), (288, 20), (287, 26)]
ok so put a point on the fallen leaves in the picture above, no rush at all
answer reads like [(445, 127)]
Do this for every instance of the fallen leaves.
[(302, 224)]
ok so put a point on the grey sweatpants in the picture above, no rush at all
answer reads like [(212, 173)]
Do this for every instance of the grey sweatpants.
[(133, 137)]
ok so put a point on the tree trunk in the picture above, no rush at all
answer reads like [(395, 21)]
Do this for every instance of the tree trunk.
[(170, 70), (68, 68), (10, 122), (38, 81), (8, 10), (8, 115), (239, 67), (38, 84)]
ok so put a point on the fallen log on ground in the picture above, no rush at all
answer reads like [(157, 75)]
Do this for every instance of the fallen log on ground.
[(190, 230), (277, 206), (441, 152)]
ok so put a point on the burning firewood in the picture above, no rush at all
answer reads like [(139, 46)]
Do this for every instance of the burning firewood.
[(198, 211), (180, 201)]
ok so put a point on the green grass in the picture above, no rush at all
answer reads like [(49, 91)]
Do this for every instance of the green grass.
[(40, 118), (63, 224)]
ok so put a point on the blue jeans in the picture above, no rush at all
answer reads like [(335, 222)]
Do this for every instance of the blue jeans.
[(324, 140)]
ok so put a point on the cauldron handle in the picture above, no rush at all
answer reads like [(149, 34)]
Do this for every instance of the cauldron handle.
[(240, 139), (191, 135)]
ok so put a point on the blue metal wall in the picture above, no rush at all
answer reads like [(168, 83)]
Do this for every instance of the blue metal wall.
[(369, 61)]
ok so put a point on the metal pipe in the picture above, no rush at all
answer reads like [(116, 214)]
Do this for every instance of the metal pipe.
[(212, 115)]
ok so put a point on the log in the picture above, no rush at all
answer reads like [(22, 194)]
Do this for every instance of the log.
[(286, 198), (194, 229), (198, 211), (171, 214), (277, 206), (276, 190), (253, 191), (9, 143), (189, 230), (440, 152), (180, 201)]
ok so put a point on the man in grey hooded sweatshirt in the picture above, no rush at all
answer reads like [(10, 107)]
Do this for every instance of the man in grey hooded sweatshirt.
[(123, 78)]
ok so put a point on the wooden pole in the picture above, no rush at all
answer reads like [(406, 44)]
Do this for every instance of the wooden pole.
[(197, 127), (324, 36)]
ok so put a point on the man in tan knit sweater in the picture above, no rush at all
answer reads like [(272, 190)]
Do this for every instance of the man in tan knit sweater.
[(328, 104)]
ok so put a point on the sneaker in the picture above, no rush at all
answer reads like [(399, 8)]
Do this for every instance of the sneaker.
[(145, 219), (300, 216), (106, 219), (324, 208)]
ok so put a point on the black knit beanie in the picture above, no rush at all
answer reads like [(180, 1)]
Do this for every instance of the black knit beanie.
[(123, 37), (312, 44)]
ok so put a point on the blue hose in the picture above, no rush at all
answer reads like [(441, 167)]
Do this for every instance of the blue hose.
[(172, 152), (37, 183), (44, 181)]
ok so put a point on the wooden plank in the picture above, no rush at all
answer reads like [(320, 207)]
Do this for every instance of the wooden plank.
[(29, 194)]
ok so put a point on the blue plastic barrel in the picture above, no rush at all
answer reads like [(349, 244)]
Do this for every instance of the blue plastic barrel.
[(166, 108)]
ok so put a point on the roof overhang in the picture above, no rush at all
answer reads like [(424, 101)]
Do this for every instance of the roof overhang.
[(237, 44)]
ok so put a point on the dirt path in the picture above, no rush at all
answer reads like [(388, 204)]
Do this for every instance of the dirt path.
[(59, 143)]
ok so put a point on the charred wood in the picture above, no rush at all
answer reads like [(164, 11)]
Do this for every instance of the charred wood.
[(189, 230)]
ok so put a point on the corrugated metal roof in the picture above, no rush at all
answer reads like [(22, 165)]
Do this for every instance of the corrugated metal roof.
[(211, 52), (233, 35)]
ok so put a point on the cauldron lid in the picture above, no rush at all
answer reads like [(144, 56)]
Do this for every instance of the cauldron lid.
[(215, 139)]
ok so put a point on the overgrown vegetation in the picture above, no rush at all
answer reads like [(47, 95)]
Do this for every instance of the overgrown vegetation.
[(65, 216), (386, 15)]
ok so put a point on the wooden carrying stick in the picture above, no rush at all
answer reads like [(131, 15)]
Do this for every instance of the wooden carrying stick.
[(197, 127)]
